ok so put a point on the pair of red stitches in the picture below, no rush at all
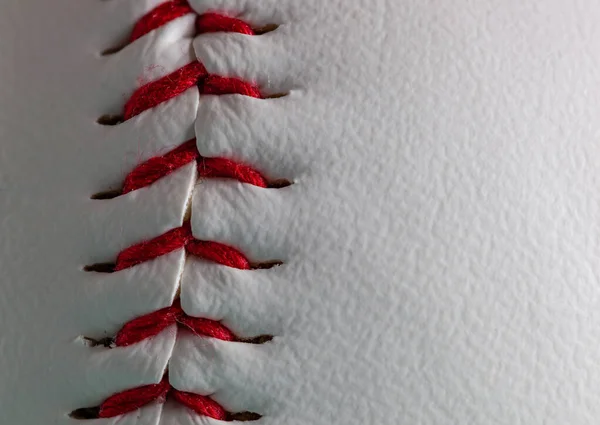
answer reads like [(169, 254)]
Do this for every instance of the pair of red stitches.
[(154, 323), (130, 400), (158, 167), (146, 97), (174, 239)]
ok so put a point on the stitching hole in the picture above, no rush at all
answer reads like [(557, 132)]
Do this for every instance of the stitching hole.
[(86, 413), (109, 194), (265, 29), (242, 417), (110, 119), (265, 265), (100, 268), (113, 50)]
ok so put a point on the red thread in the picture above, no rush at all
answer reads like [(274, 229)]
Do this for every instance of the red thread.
[(163, 89), (225, 168), (152, 324), (130, 400), (214, 84), (172, 85), (159, 16), (218, 253), (202, 327), (146, 326), (200, 404), (205, 23), (148, 250), (180, 237), (213, 22), (160, 166)]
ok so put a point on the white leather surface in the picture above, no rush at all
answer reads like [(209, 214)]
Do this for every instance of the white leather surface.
[(440, 239)]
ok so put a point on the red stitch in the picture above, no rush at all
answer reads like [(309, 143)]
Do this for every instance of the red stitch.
[(130, 400), (180, 237), (163, 89), (160, 166), (214, 84), (206, 328), (225, 168), (213, 22), (177, 82), (153, 323), (146, 326), (159, 16), (205, 23), (218, 253), (200, 404), (148, 250)]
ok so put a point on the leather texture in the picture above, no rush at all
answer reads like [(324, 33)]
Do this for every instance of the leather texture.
[(440, 240)]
